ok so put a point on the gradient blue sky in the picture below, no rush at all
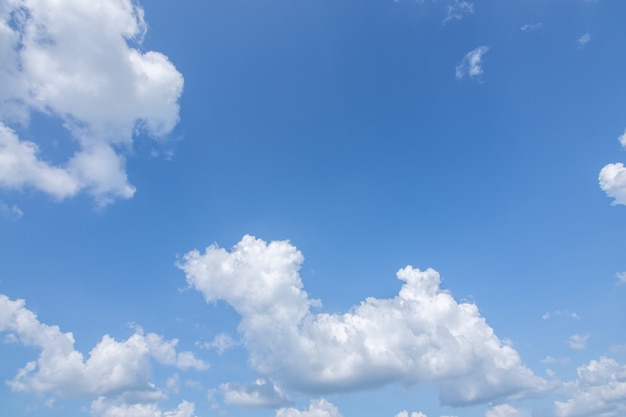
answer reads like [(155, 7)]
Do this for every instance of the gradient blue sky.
[(325, 146)]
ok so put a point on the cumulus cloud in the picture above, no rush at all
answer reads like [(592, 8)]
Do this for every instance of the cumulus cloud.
[(578, 341), (504, 410), (261, 393), (421, 335), (598, 391), (612, 178), (471, 65), (458, 9), (317, 408), (112, 369), (103, 408), (80, 62)]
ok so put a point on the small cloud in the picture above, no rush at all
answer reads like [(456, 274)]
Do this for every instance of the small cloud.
[(413, 414), (459, 9), (563, 313), (529, 27), (261, 393), (504, 410), (578, 341), (621, 277), (550, 359), (10, 212), (221, 342), (622, 139), (471, 64), (583, 40)]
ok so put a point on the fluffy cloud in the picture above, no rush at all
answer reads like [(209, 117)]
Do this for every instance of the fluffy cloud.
[(317, 408), (421, 335), (261, 393), (504, 410), (471, 65), (104, 408), (458, 9), (612, 181), (112, 369), (73, 60), (599, 391)]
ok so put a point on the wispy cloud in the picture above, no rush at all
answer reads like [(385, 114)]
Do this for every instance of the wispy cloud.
[(583, 40), (563, 313), (578, 341), (529, 27), (12, 212), (471, 64), (621, 277), (458, 10)]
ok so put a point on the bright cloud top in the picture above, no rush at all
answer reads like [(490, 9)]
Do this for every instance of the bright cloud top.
[(119, 373), (421, 335), (612, 178), (599, 390), (471, 65), (72, 59)]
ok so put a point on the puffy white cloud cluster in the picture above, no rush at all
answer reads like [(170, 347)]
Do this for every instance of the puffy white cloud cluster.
[(73, 59), (114, 370), (104, 408), (421, 335), (261, 393), (599, 391), (471, 64), (317, 408), (612, 178)]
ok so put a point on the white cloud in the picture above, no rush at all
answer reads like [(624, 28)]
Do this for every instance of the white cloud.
[(504, 410), (221, 342), (563, 313), (104, 408), (12, 212), (112, 368), (421, 335), (413, 414), (471, 65), (599, 391), (458, 9), (578, 341), (583, 40), (317, 408), (612, 178), (73, 60), (621, 277), (529, 27), (261, 393), (550, 359)]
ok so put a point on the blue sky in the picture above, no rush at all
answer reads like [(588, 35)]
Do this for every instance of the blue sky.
[(312, 209)]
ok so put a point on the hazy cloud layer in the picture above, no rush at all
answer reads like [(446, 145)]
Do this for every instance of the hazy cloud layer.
[(80, 62), (421, 335)]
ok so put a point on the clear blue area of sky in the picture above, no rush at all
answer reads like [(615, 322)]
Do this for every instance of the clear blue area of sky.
[(340, 126)]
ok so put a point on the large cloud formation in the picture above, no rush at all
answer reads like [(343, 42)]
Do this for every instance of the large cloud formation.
[(420, 335), (117, 373), (73, 59)]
